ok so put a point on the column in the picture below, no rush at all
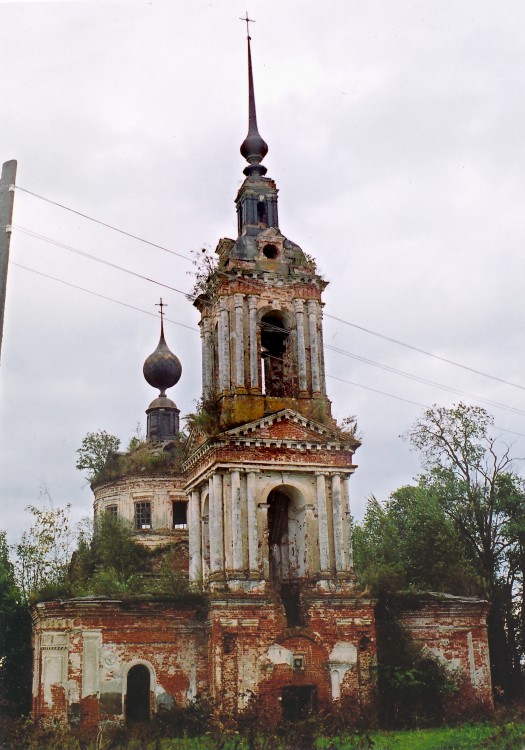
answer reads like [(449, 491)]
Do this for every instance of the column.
[(239, 340), (236, 521), (338, 524), (301, 349), (195, 536), (314, 345), (347, 519), (205, 530), (207, 359), (263, 536), (215, 523), (223, 344), (322, 518), (254, 358), (253, 531), (321, 352), (309, 563)]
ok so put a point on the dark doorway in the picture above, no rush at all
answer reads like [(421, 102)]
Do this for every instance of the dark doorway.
[(137, 698), (298, 701), (278, 536)]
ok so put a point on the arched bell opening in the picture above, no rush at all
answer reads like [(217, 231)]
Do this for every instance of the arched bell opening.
[(138, 690), (276, 366)]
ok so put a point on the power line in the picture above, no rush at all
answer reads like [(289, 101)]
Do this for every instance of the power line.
[(37, 236), (422, 351), (416, 403), (102, 296), (426, 381), (375, 390), (103, 223)]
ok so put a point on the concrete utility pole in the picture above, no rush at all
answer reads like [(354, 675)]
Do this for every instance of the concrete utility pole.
[(6, 214)]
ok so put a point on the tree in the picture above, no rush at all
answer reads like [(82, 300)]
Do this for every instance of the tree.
[(43, 553), (108, 559), (408, 542), (471, 473), (15, 640), (96, 449)]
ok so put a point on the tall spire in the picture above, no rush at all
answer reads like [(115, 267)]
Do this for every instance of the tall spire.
[(253, 148)]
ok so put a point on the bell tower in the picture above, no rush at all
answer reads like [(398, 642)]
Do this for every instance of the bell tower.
[(268, 485), (261, 313)]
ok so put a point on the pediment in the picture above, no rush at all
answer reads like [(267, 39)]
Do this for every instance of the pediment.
[(288, 426), (270, 234)]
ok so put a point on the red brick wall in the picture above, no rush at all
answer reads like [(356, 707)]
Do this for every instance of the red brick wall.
[(454, 629)]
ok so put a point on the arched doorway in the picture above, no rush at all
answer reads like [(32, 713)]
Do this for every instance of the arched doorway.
[(287, 548), (138, 694)]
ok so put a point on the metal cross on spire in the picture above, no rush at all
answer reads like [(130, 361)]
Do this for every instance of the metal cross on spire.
[(162, 305), (247, 21)]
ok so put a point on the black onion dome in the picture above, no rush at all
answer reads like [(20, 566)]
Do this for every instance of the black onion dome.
[(162, 369)]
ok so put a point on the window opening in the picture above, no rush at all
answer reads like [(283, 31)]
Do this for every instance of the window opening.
[(274, 338), (112, 510), (270, 252), (262, 212), (143, 515), (180, 509), (298, 662), (138, 694)]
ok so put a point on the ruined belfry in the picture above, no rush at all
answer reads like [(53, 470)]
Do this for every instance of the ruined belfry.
[(256, 505)]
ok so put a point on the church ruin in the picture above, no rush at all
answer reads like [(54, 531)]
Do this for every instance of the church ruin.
[(259, 512)]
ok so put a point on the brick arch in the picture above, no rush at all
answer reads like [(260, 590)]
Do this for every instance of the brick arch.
[(288, 316)]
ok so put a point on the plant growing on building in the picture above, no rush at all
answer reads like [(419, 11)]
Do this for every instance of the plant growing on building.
[(205, 267), (206, 417), (108, 560), (44, 551), (96, 450)]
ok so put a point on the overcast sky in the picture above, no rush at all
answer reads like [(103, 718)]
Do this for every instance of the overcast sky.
[(396, 134)]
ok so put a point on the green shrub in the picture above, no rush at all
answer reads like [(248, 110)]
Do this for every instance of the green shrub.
[(413, 685)]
